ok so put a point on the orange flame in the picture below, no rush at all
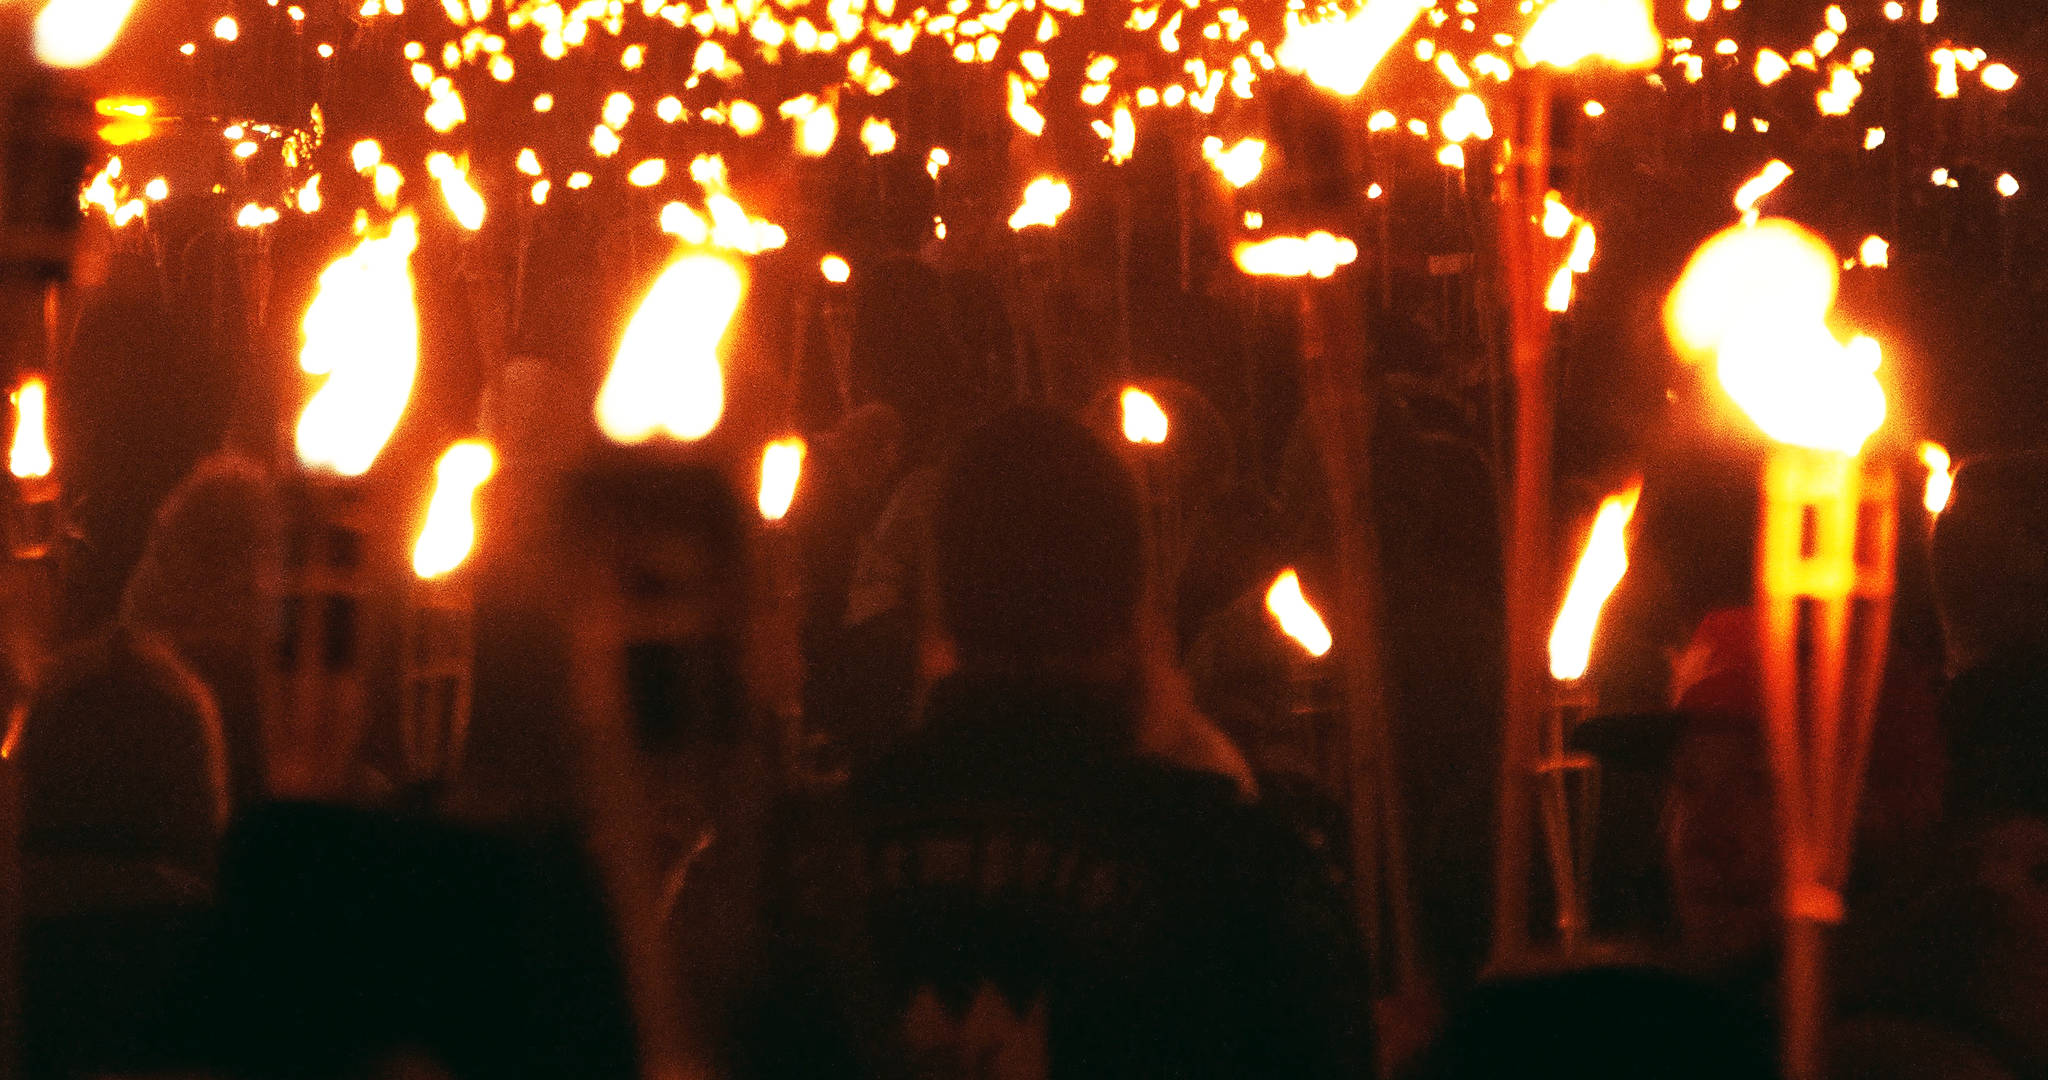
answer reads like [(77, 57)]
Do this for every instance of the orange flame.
[(1941, 478), (1621, 32), (1600, 570), (1756, 299), (450, 530), (782, 465), (362, 333), (1144, 420), (1318, 254), (1045, 199), (666, 376), (76, 33), (1340, 53), (1294, 614), (29, 458)]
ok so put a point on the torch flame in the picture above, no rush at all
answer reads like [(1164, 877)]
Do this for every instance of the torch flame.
[(1144, 420), (1318, 254), (666, 376), (450, 531), (29, 458), (1941, 480), (1756, 299), (1340, 53), (1600, 570), (76, 33), (1297, 619), (1621, 32), (362, 332), (782, 465), (1045, 199), (464, 202)]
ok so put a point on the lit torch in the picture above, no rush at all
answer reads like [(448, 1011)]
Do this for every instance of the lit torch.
[(440, 633), (33, 524), (1144, 421), (1568, 784), (782, 465), (1297, 618), (1755, 299), (362, 334)]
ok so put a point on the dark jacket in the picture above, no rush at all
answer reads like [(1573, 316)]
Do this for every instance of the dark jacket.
[(1014, 892)]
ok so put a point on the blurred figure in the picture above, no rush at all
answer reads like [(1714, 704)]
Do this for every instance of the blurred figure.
[(1017, 890), (208, 584), (124, 798)]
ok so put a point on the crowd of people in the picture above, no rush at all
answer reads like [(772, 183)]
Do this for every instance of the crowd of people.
[(1058, 803)]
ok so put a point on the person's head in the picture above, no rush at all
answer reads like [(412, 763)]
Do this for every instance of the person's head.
[(1720, 833), (1990, 561), (214, 554), (1039, 547), (121, 758)]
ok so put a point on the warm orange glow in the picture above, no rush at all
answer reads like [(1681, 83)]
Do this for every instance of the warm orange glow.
[(1941, 478), (666, 377), (1755, 299), (1558, 298), (1875, 252), (1238, 165), (464, 202), (76, 33), (450, 530), (782, 465), (1144, 420), (835, 269), (1753, 191), (1045, 199), (29, 457), (1620, 32), (1339, 53), (1296, 617), (1600, 569), (362, 333), (1318, 254)]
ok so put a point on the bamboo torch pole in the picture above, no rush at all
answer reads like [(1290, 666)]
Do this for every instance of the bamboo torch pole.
[(1528, 543)]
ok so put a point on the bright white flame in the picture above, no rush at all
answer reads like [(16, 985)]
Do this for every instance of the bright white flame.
[(1144, 421), (29, 457), (1621, 32), (1558, 298), (1600, 570), (450, 530), (77, 33), (877, 135), (1340, 53), (1238, 165), (362, 333), (666, 376), (1941, 479), (1756, 298), (1318, 254), (782, 465), (2007, 185), (835, 269), (1296, 617), (1760, 185), (1045, 199), (1875, 252)]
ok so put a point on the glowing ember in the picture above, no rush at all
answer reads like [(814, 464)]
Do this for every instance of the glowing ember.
[(253, 216), (463, 200), (1144, 420), (1621, 32), (450, 530), (1557, 218), (1941, 480), (1045, 199), (76, 33), (1600, 570), (2007, 185), (648, 173), (1296, 618), (1340, 53), (877, 135), (666, 376), (2000, 78), (29, 457), (1583, 244), (1875, 252), (362, 333), (835, 269), (1318, 254), (782, 465), (1558, 298), (1756, 299)]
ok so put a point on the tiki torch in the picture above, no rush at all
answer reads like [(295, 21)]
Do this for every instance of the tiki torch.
[(362, 335), (34, 517), (1566, 34), (437, 667), (1568, 784), (1755, 299)]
